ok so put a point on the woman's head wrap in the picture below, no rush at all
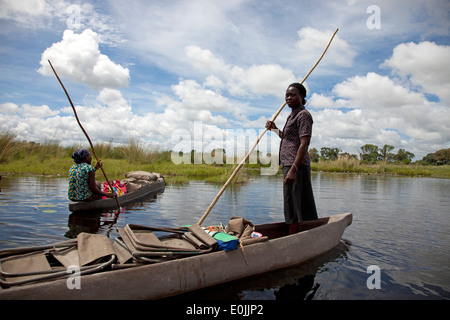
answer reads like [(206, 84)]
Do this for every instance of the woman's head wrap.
[(80, 155)]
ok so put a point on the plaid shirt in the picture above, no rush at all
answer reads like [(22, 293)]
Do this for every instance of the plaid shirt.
[(298, 124)]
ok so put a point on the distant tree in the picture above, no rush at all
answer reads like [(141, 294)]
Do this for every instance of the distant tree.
[(438, 158), (385, 153), (314, 155), (348, 155), (443, 156), (404, 156), (430, 159), (329, 153), (369, 153)]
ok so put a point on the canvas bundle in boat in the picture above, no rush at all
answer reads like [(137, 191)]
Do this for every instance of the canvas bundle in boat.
[(238, 231), (240, 227), (138, 179), (145, 246), (243, 229), (143, 175), (90, 252)]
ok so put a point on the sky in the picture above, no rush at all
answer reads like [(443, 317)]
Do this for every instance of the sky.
[(182, 75)]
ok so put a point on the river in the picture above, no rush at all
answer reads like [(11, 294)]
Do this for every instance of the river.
[(401, 228)]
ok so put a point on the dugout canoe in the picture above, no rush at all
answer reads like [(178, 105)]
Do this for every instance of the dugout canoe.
[(105, 204), (165, 279)]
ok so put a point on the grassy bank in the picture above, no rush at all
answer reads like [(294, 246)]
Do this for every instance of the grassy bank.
[(182, 173), (50, 158), (115, 169), (19, 157), (380, 168)]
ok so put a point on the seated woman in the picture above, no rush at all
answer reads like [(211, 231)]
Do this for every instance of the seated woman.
[(82, 185)]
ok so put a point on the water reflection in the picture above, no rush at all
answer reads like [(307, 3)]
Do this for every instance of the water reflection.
[(103, 221), (399, 224), (294, 283), (91, 222)]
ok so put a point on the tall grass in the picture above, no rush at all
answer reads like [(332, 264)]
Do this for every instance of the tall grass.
[(8, 146), (135, 153), (50, 158), (343, 164), (347, 165)]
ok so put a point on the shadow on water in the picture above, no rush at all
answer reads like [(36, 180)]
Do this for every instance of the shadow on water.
[(103, 221), (297, 282)]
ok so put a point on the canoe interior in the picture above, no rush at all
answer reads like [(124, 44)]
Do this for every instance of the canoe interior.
[(281, 229), (177, 276), (126, 199)]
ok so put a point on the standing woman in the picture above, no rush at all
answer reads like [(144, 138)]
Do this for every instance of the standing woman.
[(82, 185), (299, 204)]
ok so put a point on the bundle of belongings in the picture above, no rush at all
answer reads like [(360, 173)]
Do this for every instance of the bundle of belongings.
[(138, 179), (119, 188), (134, 181), (238, 231), (136, 245), (152, 244)]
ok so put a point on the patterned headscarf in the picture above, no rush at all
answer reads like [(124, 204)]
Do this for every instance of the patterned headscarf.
[(80, 155)]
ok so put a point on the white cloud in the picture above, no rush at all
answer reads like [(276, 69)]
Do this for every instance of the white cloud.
[(36, 123), (29, 13), (312, 43), (321, 101), (167, 27), (78, 57), (112, 98), (27, 110), (9, 108), (374, 91), (28, 7), (195, 97), (224, 63), (426, 64), (193, 102), (37, 111), (53, 14), (384, 112), (267, 79), (203, 58)]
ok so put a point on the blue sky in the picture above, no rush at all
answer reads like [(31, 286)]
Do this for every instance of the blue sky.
[(155, 71)]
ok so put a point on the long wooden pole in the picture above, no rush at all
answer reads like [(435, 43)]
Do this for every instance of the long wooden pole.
[(84, 131), (257, 140)]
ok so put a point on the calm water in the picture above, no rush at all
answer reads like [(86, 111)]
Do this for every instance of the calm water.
[(401, 225)]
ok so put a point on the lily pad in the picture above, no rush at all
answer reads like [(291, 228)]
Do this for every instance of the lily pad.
[(46, 206), (49, 211)]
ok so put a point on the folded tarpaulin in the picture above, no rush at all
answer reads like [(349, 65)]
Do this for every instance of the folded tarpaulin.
[(90, 252)]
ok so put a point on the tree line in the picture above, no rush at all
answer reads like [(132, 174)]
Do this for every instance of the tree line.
[(370, 153)]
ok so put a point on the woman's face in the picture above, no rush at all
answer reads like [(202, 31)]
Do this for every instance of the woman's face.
[(293, 97), (88, 159)]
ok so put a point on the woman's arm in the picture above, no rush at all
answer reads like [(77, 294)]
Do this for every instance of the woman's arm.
[(301, 152), (270, 125), (94, 188)]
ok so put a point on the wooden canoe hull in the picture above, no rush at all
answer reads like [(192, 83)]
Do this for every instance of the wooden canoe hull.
[(128, 198), (174, 277)]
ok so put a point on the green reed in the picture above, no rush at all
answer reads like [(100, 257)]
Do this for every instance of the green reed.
[(51, 158)]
